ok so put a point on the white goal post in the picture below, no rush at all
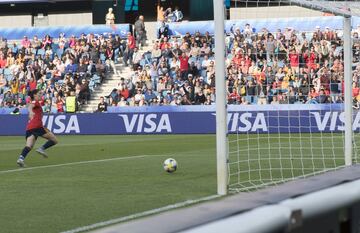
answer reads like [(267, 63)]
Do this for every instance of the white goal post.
[(222, 151)]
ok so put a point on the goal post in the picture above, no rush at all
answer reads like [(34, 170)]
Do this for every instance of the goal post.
[(348, 91), (221, 102)]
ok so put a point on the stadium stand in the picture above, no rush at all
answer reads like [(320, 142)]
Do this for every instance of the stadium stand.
[(60, 67), (285, 66), (281, 67)]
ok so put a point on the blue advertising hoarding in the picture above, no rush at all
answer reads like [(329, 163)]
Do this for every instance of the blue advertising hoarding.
[(157, 120), (16, 33)]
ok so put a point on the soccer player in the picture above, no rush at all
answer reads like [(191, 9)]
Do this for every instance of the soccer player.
[(35, 128)]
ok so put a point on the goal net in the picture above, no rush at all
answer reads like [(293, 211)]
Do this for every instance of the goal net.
[(286, 90)]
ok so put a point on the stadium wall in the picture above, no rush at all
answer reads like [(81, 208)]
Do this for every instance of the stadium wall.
[(272, 12), (303, 24), (190, 120), (73, 19), (15, 21), (68, 19)]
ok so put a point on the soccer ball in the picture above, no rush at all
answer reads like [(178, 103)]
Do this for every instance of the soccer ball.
[(170, 165)]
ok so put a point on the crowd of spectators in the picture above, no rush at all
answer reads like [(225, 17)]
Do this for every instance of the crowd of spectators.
[(262, 67), (59, 67)]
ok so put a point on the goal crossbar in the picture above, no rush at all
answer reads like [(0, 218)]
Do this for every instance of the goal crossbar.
[(321, 6)]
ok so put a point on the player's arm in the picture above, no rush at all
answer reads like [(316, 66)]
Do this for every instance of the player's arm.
[(30, 109)]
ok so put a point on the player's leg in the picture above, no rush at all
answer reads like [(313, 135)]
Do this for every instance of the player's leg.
[(30, 141), (51, 141)]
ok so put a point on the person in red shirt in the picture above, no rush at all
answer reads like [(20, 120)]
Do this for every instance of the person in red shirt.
[(32, 84), (60, 104), (25, 42), (237, 60), (165, 44), (234, 97), (355, 89), (294, 61), (130, 46), (184, 65), (310, 58), (124, 91), (109, 53), (2, 61), (35, 128)]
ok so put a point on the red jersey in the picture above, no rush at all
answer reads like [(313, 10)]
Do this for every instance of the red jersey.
[(2, 63), (36, 121), (32, 85), (131, 42), (294, 59), (356, 91), (165, 45), (125, 93), (184, 63)]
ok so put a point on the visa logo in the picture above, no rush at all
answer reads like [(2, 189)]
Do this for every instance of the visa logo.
[(146, 123), (61, 123)]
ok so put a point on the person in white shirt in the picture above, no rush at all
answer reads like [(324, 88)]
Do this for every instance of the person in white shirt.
[(205, 63), (174, 63), (205, 50), (122, 102), (195, 50), (248, 31), (110, 17), (137, 56), (139, 95)]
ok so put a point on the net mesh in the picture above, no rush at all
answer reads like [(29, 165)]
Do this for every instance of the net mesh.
[(285, 62)]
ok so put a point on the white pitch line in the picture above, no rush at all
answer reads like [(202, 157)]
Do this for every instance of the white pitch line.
[(141, 214), (85, 162), (76, 163)]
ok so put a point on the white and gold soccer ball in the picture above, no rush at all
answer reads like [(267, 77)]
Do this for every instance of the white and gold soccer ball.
[(170, 165)]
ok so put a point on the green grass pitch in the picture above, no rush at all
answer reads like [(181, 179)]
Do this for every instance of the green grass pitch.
[(67, 191), (56, 199)]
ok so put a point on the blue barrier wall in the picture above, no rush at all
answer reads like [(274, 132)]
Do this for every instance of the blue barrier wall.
[(300, 24), (19, 33), (158, 120)]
